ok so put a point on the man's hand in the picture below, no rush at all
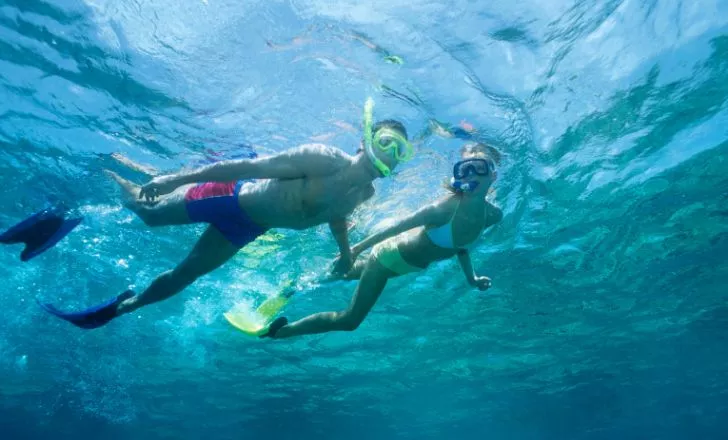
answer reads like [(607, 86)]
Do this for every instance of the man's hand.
[(159, 186), (342, 265), (481, 283)]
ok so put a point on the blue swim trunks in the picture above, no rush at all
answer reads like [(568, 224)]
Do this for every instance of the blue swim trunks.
[(217, 204)]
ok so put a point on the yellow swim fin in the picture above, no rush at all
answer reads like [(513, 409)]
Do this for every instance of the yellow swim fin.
[(270, 307), (255, 323), (246, 323)]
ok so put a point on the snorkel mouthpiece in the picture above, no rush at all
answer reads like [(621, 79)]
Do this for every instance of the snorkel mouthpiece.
[(463, 187)]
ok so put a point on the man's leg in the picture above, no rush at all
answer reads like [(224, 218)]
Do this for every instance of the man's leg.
[(372, 282), (210, 252), (147, 170), (166, 211)]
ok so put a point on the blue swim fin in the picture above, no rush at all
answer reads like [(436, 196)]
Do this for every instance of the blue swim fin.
[(39, 232), (93, 317)]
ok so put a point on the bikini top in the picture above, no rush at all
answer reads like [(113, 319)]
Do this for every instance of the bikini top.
[(442, 236)]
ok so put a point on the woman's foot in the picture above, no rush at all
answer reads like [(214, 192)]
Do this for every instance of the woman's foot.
[(274, 326)]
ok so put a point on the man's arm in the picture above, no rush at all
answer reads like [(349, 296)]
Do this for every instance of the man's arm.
[(307, 160), (339, 229)]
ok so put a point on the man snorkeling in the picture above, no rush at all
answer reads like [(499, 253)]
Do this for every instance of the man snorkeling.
[(443, 229), (242, 199)]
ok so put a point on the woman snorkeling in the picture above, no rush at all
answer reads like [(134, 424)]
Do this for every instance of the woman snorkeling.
[(436, 232)]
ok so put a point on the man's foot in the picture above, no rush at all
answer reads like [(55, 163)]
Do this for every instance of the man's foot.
[(129, 190), (92, 317), (274, 326), (134, 166)]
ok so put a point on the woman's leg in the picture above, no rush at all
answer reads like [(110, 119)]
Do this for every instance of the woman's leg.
[(373, 280)]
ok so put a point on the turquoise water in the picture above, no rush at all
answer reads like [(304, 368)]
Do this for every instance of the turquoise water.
[(608, 314)]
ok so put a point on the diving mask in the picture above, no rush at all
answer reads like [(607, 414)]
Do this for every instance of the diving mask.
[(468, 167), (392, 142), (386, 140)]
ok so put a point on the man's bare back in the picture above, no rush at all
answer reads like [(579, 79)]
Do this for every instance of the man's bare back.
[(305, 202)]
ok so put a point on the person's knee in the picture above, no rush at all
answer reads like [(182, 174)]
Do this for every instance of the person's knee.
[(147, 214), (350, 321), (195, 266), (185, 276)]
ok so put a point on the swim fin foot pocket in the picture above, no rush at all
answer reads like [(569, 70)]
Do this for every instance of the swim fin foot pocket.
[(274, 326), (93, 317)]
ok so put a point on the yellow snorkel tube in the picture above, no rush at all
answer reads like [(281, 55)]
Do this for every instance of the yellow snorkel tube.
[(385, 140)]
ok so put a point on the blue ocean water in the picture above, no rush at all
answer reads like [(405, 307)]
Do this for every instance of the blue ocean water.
[(608, 314)]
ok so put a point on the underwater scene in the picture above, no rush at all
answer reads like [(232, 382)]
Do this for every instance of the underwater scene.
[(310, 219)]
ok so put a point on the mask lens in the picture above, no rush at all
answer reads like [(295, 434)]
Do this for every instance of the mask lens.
[(390, 141), (387, 143), (480, 167)]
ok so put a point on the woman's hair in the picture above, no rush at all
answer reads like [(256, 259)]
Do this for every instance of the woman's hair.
[(480, 150), (475, 150)]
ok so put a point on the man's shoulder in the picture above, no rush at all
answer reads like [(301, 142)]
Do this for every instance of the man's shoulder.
[(323, 149)]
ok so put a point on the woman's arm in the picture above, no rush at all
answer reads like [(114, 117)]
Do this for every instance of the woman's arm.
[(424, 216), (482, 283)]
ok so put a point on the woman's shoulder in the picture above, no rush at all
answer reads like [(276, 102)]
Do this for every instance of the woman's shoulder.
[(440, 211)]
